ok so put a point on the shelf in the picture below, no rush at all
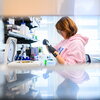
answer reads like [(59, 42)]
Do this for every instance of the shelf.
[(21, 38)]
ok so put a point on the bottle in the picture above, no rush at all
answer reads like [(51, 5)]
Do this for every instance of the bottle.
[(22, 28)]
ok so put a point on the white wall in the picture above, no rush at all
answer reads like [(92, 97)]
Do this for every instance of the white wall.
[(78, 7), (87, 7), (65, 7)]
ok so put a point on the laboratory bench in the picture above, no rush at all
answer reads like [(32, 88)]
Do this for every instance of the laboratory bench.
[(47, 84)]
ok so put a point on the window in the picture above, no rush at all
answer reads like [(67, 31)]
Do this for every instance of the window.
[(90, 26)]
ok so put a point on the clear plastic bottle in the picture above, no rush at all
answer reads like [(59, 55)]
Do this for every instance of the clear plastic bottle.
[(22, 28)]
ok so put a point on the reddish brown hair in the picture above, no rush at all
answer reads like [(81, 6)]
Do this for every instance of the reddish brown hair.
[(68, 25)]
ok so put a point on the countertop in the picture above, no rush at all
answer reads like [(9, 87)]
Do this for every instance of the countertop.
[(50, 84)]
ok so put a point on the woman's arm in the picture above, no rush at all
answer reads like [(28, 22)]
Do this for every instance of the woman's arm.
[(59, 58), (56, 55)]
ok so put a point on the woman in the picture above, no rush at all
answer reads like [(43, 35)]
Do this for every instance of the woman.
[(70, 50)]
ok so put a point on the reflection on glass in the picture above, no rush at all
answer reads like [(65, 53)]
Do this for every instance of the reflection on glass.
[(62, 82), (69, 87)]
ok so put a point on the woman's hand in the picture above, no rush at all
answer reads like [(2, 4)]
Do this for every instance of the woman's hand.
[(59, 58), (54, 52), (51, 49)]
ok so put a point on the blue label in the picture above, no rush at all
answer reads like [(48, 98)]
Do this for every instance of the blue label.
[(60, 50)]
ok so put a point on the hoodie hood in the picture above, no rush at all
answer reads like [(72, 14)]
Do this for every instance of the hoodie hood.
[(79, 37)]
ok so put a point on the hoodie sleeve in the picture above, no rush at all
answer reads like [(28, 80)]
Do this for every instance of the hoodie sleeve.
[(75, 53)]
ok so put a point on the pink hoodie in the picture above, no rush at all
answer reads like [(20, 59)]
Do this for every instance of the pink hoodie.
[(73, 49)]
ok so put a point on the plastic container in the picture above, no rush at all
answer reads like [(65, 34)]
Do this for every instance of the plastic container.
[(23, 29)]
